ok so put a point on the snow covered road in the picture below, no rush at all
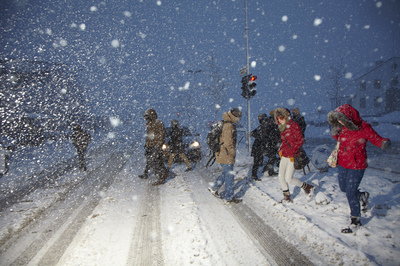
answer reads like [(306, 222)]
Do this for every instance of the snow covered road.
[(112, 217), (108, 216)]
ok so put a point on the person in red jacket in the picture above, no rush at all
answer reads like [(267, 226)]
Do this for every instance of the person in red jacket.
[(292, 140), (353, 133)]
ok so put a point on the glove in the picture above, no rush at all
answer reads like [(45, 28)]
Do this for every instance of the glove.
[(280, 154), (386, 145), (292, 159)]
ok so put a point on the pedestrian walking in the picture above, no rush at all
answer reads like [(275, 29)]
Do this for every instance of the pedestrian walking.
[(155, 138), (273, 144), (226, 156), (292, 140), (81, 140), (258, 150), (176, 146), (352, 133)]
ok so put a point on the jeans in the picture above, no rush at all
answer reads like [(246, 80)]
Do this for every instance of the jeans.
[(228, 178), (349, 180)]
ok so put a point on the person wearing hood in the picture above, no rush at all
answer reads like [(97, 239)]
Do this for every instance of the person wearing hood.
[(352, 133), (292, 140), (227, 155), (155, 138), (176, 146)]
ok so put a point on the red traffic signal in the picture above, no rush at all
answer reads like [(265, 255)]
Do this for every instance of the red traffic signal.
[(253, 78)]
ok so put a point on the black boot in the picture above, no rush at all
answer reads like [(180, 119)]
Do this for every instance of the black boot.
[(354, 225), (144, 176)]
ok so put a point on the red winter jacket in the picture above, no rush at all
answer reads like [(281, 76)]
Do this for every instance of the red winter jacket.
[(292, 139), (352, 153)]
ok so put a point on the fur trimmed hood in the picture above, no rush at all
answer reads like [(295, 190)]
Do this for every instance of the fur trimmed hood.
[(280, 111), (349, 116)]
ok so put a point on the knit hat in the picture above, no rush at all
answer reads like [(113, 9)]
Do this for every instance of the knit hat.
[(296, 111), (236, 112), (261, 116)]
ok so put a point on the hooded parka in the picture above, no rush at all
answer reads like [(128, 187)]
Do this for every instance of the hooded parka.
[(227, 153), (291, 135), (353, 137)]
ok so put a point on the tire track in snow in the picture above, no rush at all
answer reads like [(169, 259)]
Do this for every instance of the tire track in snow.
[(146, 240), (266, 239), (45, 240)]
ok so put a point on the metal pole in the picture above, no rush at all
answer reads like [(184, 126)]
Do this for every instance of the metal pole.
[(247, 73)]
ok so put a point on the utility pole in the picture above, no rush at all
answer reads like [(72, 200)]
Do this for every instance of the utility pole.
[(247, 73)]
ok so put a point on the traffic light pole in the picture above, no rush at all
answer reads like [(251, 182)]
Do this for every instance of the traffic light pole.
[(247, 73)]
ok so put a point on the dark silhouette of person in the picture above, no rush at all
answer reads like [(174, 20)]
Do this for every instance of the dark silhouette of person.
[(81, 140)]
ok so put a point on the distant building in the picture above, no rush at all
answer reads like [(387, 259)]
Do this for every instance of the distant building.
[(378, 90)]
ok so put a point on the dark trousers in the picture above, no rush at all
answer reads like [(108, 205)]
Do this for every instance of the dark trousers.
[(81, 157), (154, 160), (258, 160)]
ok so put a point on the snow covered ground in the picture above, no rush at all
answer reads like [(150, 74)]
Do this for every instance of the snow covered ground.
[(196, 228)]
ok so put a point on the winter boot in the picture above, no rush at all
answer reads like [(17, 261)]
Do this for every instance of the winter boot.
[(308, 189), (214, 192), (188, 169), (233, 200), (144, 176), (162, 179), (355, 224), (363, 197), (286, 197), (272, 173)]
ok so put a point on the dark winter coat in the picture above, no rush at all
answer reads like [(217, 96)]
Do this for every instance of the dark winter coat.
[(175, 142), (266, 138), (291, 136), (155, 131), (353, 137), (260, 135), (80, 138), (274, 137), (227, 153)]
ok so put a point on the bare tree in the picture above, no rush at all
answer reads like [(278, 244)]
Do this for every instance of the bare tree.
[(217, 87), (336, 76)]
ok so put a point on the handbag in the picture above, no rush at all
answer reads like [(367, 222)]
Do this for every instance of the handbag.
[(301, 159), (332, 159)]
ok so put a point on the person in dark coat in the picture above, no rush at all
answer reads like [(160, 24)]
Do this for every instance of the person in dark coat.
[(353, 133), (297, 117), (155, 138), (273, 143), (258, 150), (176, 146), (81, 140)]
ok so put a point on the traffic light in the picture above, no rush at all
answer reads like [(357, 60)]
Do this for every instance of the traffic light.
[(248, 86), (252, 86), (245, 87)]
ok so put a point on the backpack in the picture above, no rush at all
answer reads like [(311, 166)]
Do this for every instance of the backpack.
[(213, 137)]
